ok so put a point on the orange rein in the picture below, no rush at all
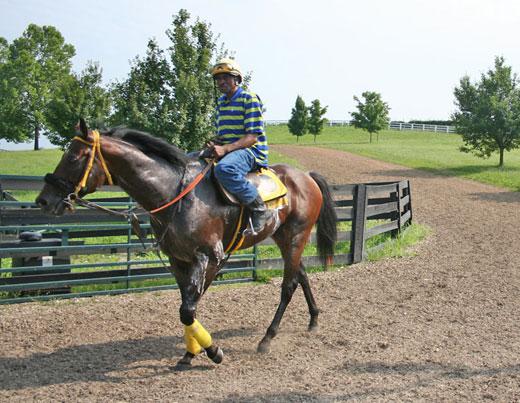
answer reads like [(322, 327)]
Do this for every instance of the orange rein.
[(185, 191), (97, 150)]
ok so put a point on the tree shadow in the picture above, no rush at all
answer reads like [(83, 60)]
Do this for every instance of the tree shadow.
[(115, 361), (502, 197), (418, 376), (407, 173)]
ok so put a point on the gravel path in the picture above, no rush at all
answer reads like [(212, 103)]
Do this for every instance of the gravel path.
[(443, 325)]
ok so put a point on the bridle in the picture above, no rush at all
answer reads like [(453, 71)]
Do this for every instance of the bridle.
[(71, 189)]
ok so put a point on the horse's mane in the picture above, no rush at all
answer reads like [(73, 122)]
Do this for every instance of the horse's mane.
[(149, 144)]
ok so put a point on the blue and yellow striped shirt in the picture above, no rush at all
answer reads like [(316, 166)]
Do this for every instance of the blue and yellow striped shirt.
[(241, 115)]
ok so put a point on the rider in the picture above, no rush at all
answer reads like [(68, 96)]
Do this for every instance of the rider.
[(241, 143)]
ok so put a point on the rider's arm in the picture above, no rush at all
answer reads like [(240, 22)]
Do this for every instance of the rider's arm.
[(245, 142)]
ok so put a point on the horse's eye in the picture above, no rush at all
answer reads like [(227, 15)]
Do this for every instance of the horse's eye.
[(72, 159)]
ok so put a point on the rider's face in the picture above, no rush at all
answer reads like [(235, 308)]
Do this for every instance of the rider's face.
[(227, 84)]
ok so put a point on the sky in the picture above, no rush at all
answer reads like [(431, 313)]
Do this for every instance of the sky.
[(412, 52)]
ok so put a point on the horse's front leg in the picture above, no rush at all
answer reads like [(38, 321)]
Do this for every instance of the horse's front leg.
[(192, 280)]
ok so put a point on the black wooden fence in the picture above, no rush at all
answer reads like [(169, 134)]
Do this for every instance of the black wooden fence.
[(42, 269)]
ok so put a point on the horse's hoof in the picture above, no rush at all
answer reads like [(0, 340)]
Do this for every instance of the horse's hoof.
[(186, 360), (181, 367), (313, 328), (264, 347), (216, 354)]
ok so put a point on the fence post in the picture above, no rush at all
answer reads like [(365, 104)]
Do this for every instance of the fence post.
[(357, 247), (408, 207), (396, 215)]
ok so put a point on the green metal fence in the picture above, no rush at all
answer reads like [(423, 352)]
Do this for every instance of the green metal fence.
[(52, 267), (91, 253)]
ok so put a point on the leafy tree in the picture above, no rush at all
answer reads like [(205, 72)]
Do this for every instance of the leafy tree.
[(191, 54), (30, 70), (299, 116), (316, 119), (372, 115), (488, 116), (77, 96), (144, 101), (170, 93)]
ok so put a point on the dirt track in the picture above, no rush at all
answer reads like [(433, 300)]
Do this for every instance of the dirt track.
[(443, 325)]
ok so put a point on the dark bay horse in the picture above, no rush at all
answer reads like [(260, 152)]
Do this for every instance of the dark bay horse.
[(195, 233)]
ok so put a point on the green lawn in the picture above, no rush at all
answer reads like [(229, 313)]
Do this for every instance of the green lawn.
[(435, 152)]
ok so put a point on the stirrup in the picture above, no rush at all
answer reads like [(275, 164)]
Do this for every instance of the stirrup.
[(250, 230)]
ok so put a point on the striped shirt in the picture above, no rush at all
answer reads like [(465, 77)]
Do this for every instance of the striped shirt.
[(239, 116)]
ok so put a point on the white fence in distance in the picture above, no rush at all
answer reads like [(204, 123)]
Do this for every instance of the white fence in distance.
[(402, 126), (418, 127)]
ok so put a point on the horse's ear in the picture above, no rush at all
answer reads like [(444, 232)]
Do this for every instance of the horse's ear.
[(82, 127)]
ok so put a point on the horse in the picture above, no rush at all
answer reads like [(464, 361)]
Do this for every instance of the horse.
[(194, 232)]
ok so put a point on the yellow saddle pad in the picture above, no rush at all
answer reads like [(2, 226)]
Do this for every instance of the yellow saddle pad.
[(270, 188)]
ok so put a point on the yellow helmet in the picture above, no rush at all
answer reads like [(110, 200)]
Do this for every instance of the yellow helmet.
[(228, 66)]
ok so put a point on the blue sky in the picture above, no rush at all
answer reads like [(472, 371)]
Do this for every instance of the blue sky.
[(412, 52)]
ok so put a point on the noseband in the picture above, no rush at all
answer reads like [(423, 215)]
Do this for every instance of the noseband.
[(71, 189)]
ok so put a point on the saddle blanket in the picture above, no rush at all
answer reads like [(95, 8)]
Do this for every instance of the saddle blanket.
[(270, 188)]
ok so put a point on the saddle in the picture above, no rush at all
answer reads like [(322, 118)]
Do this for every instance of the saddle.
[(270, 188), (272, 191)]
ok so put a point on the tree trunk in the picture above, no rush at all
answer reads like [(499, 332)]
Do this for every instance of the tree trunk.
[(36, 139), (501, 162)]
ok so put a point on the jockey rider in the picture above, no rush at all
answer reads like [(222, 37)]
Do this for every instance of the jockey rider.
[(241, 144)]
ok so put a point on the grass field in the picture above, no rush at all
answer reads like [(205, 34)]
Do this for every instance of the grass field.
[(435, 152)]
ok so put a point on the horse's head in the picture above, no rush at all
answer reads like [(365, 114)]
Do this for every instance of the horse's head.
[(79, 172)]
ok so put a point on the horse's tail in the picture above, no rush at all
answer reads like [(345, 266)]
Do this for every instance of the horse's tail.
[(326, 231)]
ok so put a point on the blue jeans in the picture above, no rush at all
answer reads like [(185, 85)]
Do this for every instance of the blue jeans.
[(231, 171)]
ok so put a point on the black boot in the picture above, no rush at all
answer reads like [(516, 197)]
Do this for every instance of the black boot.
[(259, 215)]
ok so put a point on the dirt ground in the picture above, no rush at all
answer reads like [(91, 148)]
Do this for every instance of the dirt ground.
[(443, 325)]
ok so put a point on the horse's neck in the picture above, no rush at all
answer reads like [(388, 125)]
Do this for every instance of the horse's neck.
[(148, 180)]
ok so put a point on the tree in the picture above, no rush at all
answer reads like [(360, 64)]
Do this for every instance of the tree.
[(316, 120), (488, 116), (194, 102), (31, 69), (77, 96), (299, 116), (372, 115), (144, 101), (170, 92)]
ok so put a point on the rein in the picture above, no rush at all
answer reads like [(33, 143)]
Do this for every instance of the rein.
[(188, 189)]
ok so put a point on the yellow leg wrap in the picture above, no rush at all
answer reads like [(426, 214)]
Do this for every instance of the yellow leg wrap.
[(192, 345), (200, 334)]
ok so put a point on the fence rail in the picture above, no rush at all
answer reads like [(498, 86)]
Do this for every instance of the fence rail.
[(403, 126), (43, 270)]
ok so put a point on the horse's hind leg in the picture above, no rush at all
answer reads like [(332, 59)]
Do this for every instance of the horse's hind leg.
[(288, 287), (313, 308), (294, 273)]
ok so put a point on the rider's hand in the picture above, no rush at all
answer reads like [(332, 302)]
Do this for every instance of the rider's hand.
[(218, 151)]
